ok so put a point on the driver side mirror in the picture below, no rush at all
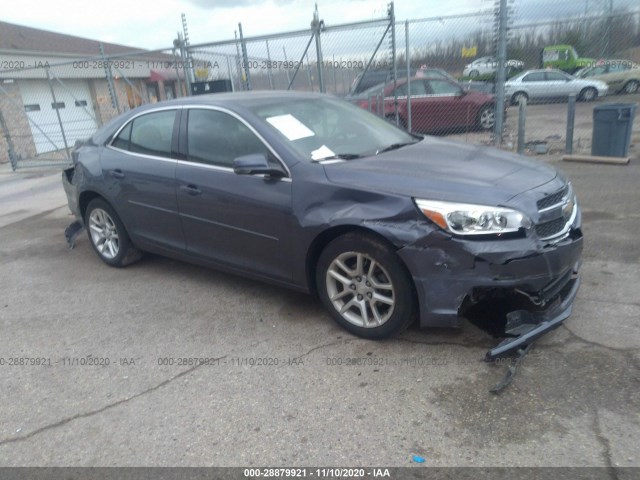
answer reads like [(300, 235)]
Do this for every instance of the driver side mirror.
[(255, 164)]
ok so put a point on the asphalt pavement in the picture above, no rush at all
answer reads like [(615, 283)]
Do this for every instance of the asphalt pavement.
[(168, 364)]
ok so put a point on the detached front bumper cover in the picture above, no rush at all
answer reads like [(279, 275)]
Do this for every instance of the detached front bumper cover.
[(523, 327)]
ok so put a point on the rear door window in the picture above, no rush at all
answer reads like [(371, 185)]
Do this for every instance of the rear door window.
[(534, 77), (149, 134)]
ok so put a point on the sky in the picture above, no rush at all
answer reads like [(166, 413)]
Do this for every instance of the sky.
[(152, 24)]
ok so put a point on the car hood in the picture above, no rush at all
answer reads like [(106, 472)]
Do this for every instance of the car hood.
[(444, 170)]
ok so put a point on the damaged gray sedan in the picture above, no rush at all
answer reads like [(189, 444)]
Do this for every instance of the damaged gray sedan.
[(311, 193)]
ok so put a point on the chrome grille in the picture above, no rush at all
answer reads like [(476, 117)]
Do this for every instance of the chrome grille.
[(553, 199), (558, 211), (549, 229)]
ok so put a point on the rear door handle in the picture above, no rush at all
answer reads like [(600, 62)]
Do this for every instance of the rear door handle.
[(191, 190), (117, 173)]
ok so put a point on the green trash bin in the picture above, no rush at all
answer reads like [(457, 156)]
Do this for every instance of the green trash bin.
[(612, 125)]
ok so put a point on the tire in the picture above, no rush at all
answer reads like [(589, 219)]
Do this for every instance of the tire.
[(108, 236), (588, 94), (364, 279), (631, 86), (474, 74), (515, 99), (486, 118)]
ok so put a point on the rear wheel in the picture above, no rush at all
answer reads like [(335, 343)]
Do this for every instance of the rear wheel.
[(486, 117), (365, 287), (517, 97), (589, 94), (631, 86), (108, 236)]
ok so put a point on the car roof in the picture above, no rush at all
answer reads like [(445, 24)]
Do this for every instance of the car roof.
[(241, 98), (234, 101), (544, 70)]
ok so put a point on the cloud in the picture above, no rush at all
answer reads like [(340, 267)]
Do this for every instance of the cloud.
[(221, 4)]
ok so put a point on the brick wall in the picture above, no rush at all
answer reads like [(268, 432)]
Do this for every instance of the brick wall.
[(17, 123), (102, 99)]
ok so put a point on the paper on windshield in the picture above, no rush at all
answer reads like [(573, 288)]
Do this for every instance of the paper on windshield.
[(290, 126), (322, 152)]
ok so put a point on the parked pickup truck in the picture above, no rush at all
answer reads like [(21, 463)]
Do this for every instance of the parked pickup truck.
[(564, 57)]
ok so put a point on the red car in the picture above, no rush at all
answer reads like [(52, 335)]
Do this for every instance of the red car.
[(437, 105)]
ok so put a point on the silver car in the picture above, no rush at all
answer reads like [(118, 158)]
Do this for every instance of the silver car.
[(622, 76), (552, 84), (489, 65)]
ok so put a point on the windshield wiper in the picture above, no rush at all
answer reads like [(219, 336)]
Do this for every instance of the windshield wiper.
[(394, 146), (339, 156)]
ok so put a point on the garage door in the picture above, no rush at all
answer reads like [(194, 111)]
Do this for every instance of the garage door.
[(73, 102)]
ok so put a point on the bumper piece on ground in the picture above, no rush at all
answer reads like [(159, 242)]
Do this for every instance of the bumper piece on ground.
[(72, 232), (513, 368)]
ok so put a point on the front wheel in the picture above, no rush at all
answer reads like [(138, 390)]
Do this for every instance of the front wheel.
[(588, 94), (108, 236), (365, 286), (518, 98), (631, 86), (474, 74), (486, 117)]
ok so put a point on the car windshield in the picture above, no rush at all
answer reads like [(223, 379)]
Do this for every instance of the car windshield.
[(583, 72), (324, 128)]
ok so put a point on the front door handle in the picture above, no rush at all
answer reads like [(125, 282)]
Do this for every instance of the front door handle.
[(117, 173), (191, 190)]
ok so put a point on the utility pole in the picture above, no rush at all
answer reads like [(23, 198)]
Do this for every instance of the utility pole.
[(317, 25), (501, 74), (245, 59), (392, 20)]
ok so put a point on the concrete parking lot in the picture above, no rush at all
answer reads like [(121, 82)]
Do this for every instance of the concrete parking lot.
[(282, 384)]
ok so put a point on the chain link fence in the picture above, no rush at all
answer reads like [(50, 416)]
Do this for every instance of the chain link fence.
[(596, 41), (46, 107), (462, 76)]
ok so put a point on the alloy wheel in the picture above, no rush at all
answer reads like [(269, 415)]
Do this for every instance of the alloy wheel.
[(104, 233), (360, 290), (487, 118)]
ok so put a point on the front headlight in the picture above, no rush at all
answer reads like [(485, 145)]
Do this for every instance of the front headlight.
[(469, 219)]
